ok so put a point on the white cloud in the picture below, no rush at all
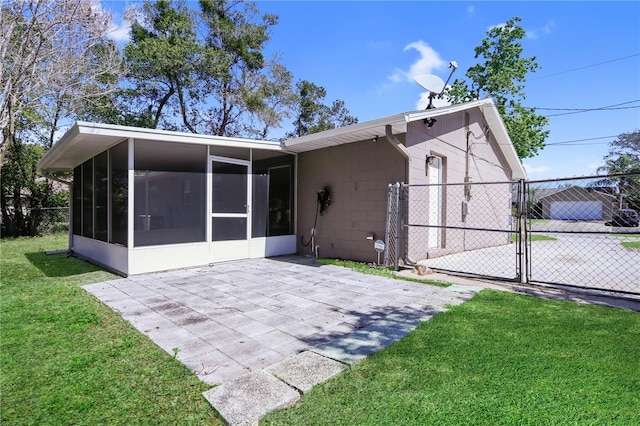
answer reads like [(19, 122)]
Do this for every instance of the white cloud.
[(545, 30), (470, 10), (535, 170), (423, 102), (428, 61), (548, 28), (501, 25), (119, 33)]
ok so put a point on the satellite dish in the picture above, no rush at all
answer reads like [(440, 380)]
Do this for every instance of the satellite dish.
[(434, 84), (429, 82)]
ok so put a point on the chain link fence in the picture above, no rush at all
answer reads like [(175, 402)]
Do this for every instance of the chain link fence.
[(443, 223), (38, 221), (583, 232), (577, 232), (50, 220)]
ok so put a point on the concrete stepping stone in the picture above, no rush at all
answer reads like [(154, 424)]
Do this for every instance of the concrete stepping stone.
[(245, 400), (306, 370)]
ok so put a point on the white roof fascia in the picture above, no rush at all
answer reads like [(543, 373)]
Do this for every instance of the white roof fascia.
[(97, 137), (370, 129), (346, 134), (169, 135)]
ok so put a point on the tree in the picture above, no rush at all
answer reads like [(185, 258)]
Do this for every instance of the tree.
[(204, 70), (502, 76), (313, 116), (23, 193), (623, 160), (53, 55), (626, 144)]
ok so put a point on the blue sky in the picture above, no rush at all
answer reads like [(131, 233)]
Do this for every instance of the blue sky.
[(366, 53)]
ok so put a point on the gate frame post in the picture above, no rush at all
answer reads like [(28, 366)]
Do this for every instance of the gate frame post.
[(387, 259), (522, 275), (398, 230)]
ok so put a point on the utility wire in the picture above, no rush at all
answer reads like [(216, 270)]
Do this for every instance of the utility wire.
[(613, 107), (575, 141), (605, 108), (585, 67)]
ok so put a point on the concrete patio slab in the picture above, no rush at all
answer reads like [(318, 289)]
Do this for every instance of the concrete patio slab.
[(246, 399), (306, 370), (241, 324)]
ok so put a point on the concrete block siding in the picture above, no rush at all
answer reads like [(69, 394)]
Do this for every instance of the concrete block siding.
[(358, 175)]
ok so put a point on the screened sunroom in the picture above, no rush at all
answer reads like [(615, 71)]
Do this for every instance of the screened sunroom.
[(147, 200)]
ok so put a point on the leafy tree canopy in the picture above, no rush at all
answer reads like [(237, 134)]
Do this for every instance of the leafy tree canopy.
[(624, 158), (203, 70), (502, 75), (312, 115)]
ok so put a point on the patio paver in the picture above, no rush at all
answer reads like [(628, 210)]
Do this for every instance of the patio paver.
[(238, 324)]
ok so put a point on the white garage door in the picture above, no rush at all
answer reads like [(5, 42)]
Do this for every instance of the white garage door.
[(576, 210)]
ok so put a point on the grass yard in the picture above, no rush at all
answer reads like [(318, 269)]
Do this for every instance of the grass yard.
[(499, 359), (67, 359), (535, 237), (364, 268), (631, 244)]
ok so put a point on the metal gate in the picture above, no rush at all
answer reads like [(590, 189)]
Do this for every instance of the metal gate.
[(565, 232)]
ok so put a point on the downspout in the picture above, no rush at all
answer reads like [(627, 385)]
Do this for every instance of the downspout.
[(393, 140), (69, 248)]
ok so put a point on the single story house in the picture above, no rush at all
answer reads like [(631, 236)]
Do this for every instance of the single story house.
[(148, 200), (574, 203)]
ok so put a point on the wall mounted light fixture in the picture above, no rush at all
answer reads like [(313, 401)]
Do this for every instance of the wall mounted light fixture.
[(429, 122), (375, 139)]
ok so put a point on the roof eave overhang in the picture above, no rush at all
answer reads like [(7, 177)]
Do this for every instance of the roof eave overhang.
[(370, 129), (85, 140)]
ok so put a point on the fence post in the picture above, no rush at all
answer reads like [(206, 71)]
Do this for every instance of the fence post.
[(398, 213), (387, 231), (522, 232)]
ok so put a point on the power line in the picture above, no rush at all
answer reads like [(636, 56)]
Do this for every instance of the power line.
[(604, 108), (574, 141), (614, 107), (585, 67)]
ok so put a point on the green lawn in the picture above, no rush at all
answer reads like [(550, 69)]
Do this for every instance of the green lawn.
[(67, 359), (364, 268), (631, 244), (500, 359), (535, 237)]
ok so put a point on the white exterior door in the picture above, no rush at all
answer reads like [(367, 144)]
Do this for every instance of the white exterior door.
[(434, 173), (230, 224)]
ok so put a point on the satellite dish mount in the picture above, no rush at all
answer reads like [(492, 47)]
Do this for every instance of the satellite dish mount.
[(434, 84)]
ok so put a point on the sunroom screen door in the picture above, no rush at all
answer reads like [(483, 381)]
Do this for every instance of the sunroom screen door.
[(230, 195)]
